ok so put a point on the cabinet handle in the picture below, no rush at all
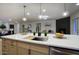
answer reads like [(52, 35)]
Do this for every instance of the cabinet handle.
[(56, 50)]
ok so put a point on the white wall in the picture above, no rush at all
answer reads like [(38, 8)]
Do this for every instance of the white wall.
[(16, 26), (43, 27)]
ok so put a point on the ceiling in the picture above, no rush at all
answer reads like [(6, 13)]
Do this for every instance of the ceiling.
[(15, 11)]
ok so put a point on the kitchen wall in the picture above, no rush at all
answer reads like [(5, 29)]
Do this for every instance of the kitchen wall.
[(76, 14), (16, 26), (52, 24)]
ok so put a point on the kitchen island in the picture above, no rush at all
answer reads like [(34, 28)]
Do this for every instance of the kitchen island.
[(20, 45)]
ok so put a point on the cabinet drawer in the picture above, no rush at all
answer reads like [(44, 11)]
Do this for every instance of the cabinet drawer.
[(5, 41), (37, 53), (8, 42), (39, 48), (23, 45)]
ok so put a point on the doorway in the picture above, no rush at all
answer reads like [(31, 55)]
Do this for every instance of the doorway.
[(11, 27)]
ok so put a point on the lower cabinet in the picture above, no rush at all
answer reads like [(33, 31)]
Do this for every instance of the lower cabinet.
[(12, 47), (31, 49), (22, 48)]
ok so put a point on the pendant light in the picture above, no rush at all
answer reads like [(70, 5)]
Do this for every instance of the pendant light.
[(65, 13), (44, 10), (40, 16), (24, 18)]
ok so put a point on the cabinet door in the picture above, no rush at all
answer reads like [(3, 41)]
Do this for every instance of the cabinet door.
[(39, 49), (12, 47), (8, 47), (22, 51), (23, 48)]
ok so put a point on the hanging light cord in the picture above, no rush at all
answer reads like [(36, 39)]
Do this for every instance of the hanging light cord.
[(40, 8), (64, 7), (24, 10)]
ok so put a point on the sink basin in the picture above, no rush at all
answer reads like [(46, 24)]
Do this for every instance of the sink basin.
[(40, 39)]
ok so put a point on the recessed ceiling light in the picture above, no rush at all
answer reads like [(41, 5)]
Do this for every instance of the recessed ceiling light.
[(24, 19), (77, 4), (28, 13), (44, 10), (65, 13)]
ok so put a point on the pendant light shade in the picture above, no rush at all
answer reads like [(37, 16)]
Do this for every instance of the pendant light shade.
[(24, 18), (40, 16), (65, 13), (44, 10), (28, 13)]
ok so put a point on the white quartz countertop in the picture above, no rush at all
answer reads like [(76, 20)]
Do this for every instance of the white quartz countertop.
[(70, 41)]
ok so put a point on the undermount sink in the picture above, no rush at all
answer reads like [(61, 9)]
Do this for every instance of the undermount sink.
[(40, 39)]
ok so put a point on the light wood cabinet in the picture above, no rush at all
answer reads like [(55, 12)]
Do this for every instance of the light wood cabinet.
[(5, 46), (12, 47), (39, 50), (22, 48), (9, 47), (34, 52), (12, 50), (31, 49), (22, 51)]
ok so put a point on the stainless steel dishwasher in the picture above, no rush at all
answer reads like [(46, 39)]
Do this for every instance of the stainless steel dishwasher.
[(62, 51)]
